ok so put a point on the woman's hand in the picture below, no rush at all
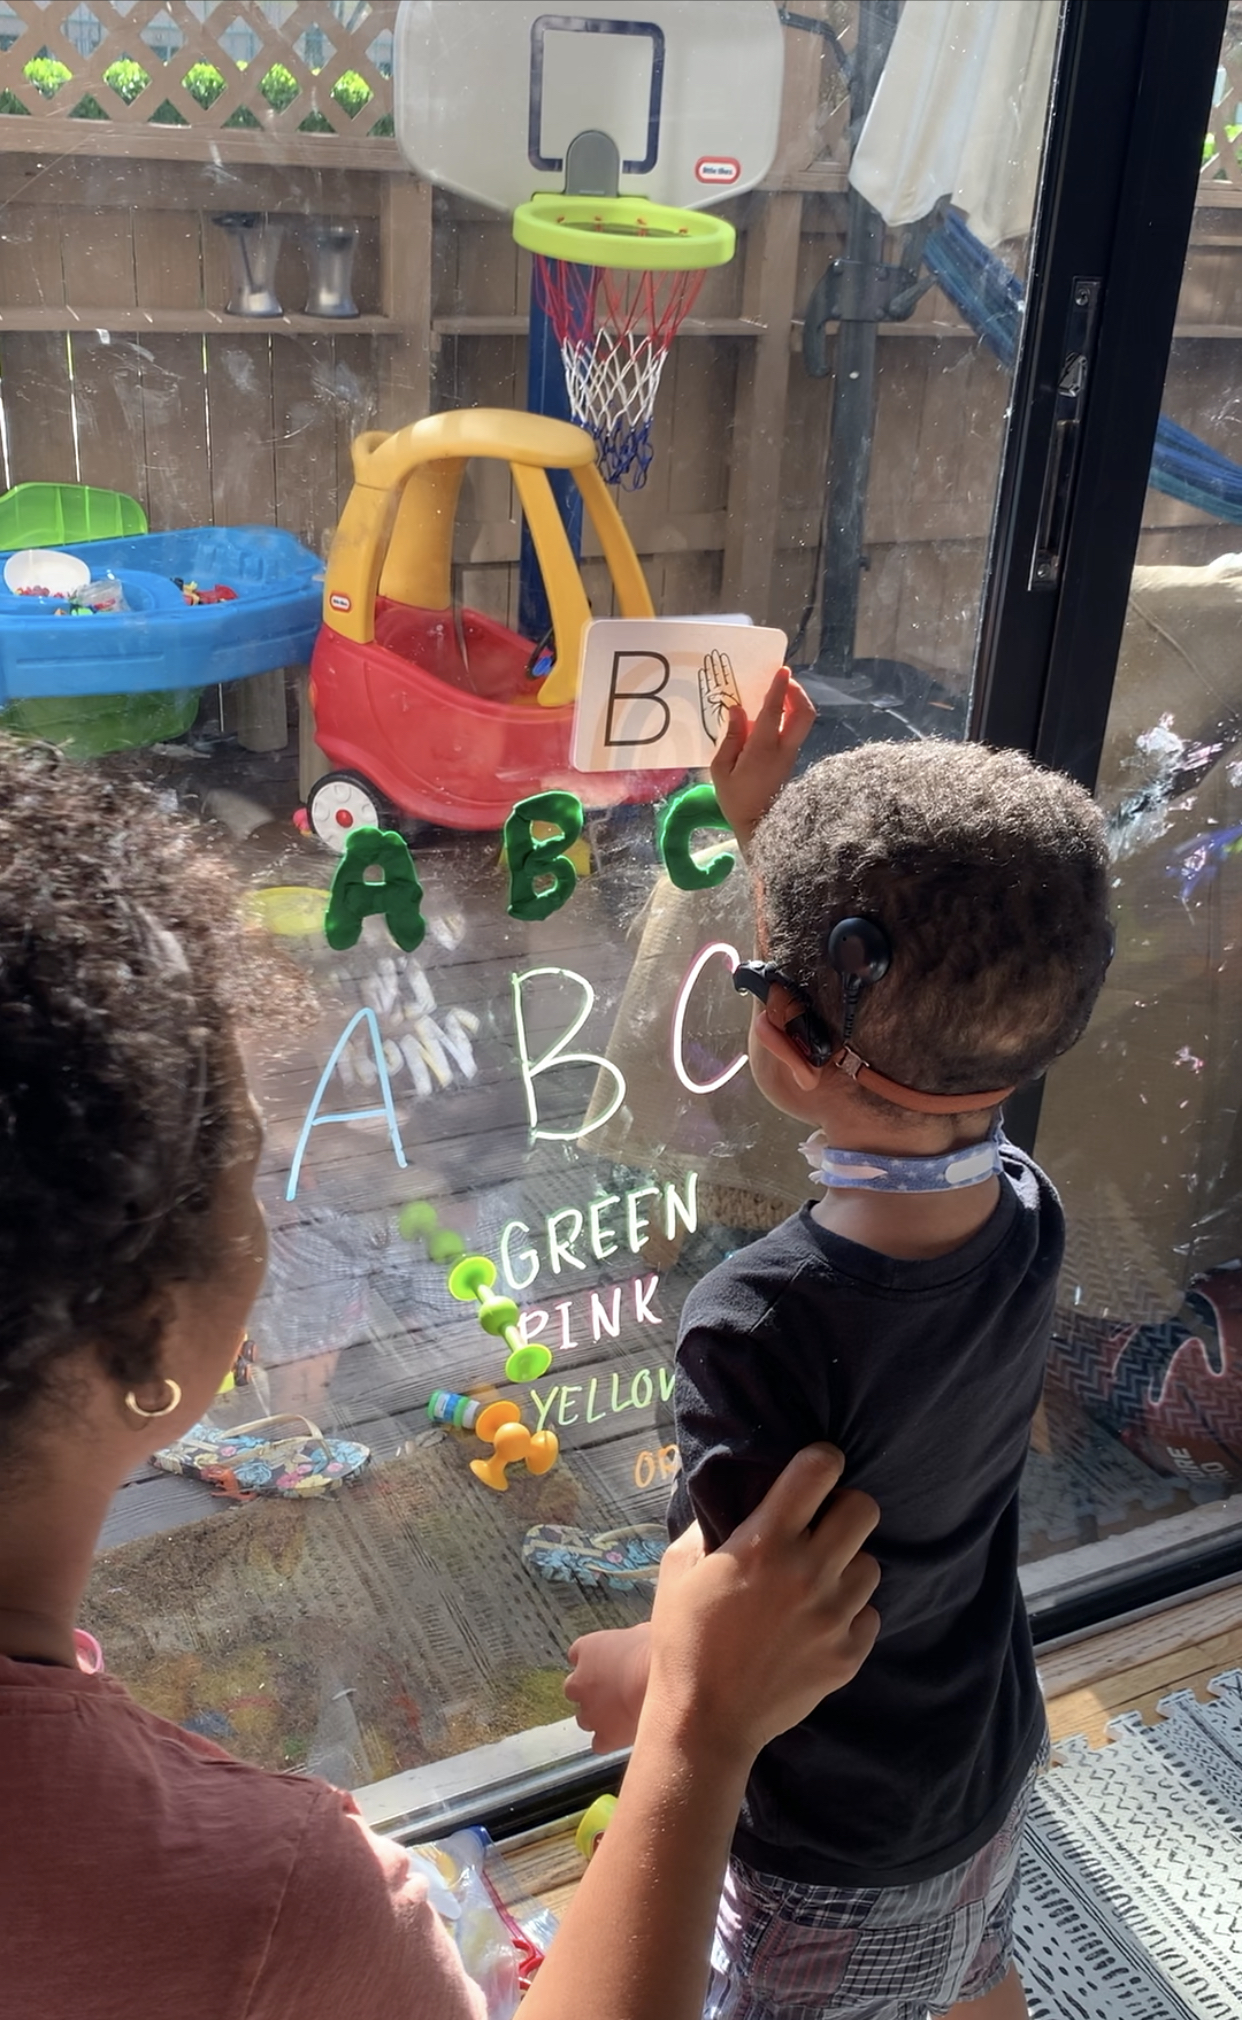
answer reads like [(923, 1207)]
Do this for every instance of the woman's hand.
[(754, 760), (776, 1584)]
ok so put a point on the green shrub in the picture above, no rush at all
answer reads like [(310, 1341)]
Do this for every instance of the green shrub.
[(127, 78), (47, 74), (204, 83), (351, 92), (1232, 133), (383, 129), (280, 87)]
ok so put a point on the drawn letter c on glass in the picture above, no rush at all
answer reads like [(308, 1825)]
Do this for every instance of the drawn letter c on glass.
[(700, 961)]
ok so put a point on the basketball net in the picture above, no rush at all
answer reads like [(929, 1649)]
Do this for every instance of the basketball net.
[(614, 328)]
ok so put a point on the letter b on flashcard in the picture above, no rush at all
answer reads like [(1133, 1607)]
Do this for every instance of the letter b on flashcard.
[(637, 711), (655, 693)]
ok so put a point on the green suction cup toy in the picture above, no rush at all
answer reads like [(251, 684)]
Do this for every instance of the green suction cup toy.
[(418, 1221), (471, 1279), (528, 1361)]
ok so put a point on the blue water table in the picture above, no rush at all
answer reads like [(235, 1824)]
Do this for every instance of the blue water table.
[(139, 668)]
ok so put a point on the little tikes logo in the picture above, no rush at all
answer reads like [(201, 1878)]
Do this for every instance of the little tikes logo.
[(717, 168), (339, 602)]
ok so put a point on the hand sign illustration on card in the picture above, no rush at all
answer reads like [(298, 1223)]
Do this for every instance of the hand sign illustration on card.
[(718, 693)]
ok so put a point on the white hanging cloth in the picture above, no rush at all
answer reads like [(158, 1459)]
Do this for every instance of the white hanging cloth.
[(960, 111)]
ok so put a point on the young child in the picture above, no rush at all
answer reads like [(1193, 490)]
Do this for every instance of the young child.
[(933, 932)]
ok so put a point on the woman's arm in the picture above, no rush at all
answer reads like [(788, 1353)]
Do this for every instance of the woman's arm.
[(723, 1393), (635, 1942)]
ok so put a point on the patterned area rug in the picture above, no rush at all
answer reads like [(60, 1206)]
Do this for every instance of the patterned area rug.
[(1132, 1882)]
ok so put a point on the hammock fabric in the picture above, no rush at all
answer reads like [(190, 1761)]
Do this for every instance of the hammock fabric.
[(990, 298)]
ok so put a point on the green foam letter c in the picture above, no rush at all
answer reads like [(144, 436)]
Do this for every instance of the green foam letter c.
[(693, 807)]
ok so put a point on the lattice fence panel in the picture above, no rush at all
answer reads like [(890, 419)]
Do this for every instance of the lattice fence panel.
[(280, 67)]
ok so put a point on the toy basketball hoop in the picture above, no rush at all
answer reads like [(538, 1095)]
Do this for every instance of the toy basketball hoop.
[(616, 277)]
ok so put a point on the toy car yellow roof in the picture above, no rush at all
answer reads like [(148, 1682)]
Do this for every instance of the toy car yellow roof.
[(395, 537)]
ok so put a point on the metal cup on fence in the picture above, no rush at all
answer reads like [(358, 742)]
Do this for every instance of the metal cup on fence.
[(254, 247), (330, 247)]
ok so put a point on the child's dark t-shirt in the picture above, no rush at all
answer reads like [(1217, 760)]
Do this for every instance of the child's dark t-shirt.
[(927, 1375)]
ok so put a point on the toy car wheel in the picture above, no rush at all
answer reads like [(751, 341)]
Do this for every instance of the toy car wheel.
[(340, 802)]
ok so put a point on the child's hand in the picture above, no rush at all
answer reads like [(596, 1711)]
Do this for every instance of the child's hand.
[(755, 759), (608, 1683)]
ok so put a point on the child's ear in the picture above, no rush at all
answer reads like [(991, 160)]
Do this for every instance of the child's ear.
[(804, 1076)]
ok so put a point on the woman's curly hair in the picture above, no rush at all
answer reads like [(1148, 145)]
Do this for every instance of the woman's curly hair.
[(990, 877), (118, 931)]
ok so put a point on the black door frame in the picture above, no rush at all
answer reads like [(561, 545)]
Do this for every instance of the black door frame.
[(1132, 102)]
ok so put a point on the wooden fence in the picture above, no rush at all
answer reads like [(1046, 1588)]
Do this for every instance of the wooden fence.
[(119, 365)]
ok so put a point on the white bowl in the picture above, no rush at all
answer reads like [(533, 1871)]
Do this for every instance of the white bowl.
[(45, 568)]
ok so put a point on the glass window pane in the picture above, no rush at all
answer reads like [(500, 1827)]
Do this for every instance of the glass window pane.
[(225, 289), (1140, 1454)]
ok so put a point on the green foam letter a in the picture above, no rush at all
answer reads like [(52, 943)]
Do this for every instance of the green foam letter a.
[(397, 899)]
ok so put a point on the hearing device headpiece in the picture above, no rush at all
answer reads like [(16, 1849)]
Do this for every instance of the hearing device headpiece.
[(860, 952)]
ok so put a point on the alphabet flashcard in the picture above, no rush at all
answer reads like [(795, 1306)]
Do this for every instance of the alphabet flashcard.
[(655, 693)]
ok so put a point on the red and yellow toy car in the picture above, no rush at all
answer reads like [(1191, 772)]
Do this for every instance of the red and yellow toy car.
[(435, 711)]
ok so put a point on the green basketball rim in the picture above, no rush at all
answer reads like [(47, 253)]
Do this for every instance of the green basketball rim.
[(623, 231)]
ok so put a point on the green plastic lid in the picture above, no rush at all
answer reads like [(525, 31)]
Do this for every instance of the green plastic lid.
[(64, 515)]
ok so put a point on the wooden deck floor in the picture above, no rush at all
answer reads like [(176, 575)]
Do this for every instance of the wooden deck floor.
[(1132, 1668)]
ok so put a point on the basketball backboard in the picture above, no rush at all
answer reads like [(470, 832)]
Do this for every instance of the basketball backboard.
[(490, 93)]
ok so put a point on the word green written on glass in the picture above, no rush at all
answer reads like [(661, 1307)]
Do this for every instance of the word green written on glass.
[(542, 876)]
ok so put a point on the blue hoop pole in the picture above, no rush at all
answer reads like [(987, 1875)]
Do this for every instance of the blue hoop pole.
[(546, 393)]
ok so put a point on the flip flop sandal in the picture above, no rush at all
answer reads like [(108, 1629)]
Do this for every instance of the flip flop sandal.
[(618, 1558), (247, 1460)]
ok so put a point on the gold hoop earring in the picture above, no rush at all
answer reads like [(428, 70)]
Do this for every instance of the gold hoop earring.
[(165, 1409)]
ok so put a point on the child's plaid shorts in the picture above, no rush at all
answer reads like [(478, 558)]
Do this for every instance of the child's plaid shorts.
[(785, 1950)]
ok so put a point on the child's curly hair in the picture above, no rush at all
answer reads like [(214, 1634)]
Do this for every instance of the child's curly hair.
[(118, 936), (990, 877)]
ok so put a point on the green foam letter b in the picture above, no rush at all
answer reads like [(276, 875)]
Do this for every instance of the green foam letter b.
[(529, 859)]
